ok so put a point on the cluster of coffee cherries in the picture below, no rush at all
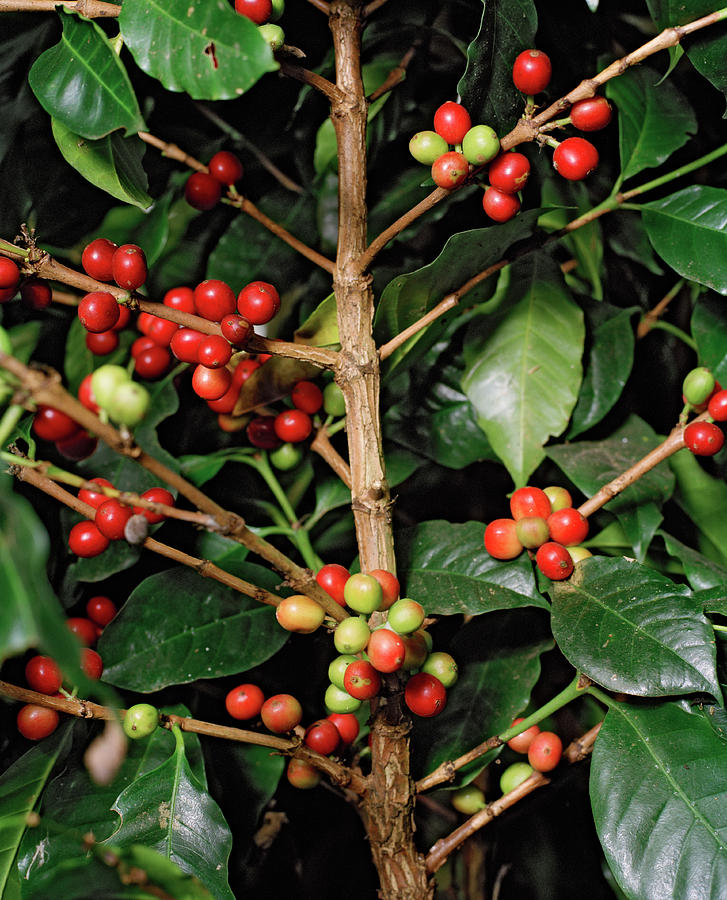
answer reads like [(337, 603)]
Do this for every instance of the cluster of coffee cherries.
[(264, 13), (203, 190), (34, 292), (545, 521), (56, 427), (43, 674), (114, 520), (701, 393)]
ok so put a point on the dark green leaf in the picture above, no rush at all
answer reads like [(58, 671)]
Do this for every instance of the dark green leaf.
[(704, 499), (164, 874), (320, 329), (627, 236), (712, 600), (659, 798), (447, 565), (608, 364), (701, 572), (654, 119), (156, 640), (203, 48), (112, 163), (709, 330), (254, 773), (83, 84), (523, 365), (631, 629), (592, 464), (688, 230)]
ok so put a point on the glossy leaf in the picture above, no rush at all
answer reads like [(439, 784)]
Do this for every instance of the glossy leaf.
[(448, 565), (701, 571), (498, 660), (688, 230), (112, 163), (709, 330), (155, 640), (592, 464), (627, 237), (203, 48), (654, 119), (320, 329), (631, 629), (704, 499), (523, 365), (609, 359), (83, 84), (659, 797)]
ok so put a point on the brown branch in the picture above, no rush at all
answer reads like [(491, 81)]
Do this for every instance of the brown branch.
[(319, 356), (371, 7), (322, 445), (652, 316), (398, 73), (299, 73), (92, 9), (172, 151), (437, 856), (444, 306)]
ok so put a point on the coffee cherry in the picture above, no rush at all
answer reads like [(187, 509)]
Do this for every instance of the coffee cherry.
[(124, 318), (592, 114), (334, 403), (97, 257), (554, 561), (363, 594), (111, 518), (129, 404), (225, 167), (509, 172), (214, 351), (559, 497), (43, 675), (245, 701), (101, 610), (427, 146), (77, 447), (98, 311), (337, 669), (698, 386), (452, 122), (261, 433), (307, 396), (389, 586), (529, 501), (443, 666), (7, 294), (499, 206), (278, 10), (36, 722), (161, 331), (236, 330), (346, 725), (514, 775), (361, 680), (322, 736), (102, 343), (425, 695), (286, 457), (293, 425), (141, 344), (258, 302), (154, 495), (128, 266), (450, 170), (545, 751), (578, 553), (36, 293), (140, 721), (185, 344), (9, 274), (91, 663), (575, 158), (703, 438), (84, 629), (353, 635), (181, 298), (406, 615), (258, 11), (301, 774), (51, 424), (567, 526), (416, 650), (332, 578), (210, 384), (468, 800), (532, 531), (86, 540), (202, 191), (340, 701), (521, 742), (299, 614), (281, 713), (152, 362), (386, 650), (105, 381), (94, 498), (531, 71), (214, 299), (717, 406), (480, 145), (501, 540)]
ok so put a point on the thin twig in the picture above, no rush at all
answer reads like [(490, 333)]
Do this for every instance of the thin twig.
[(322, 445), (371, 7), (449, 302), (92, 9), (652, 316), (172, 151), (300, 73), (321, 5), (397, 74)]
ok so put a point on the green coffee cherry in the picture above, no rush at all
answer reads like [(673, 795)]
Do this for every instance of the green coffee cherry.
[(140, 720), (698, 385)]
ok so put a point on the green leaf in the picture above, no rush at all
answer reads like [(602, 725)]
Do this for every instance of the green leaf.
[(155, 640), (506, 28), (202, 47), (165, 874), (654, 119), (659, 798), (253, 773), (688, 230), (446, 563), (627, 237), (523, 365), (592, 464), (704, 499), (83, 84), (701, 572), (709, 330), (112, 163), (20, 787), (498, 658), (610, 356), (320, 329), (631, 629)]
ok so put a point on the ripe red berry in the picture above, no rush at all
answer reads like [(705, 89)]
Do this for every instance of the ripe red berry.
[(258, 302), (529, 501), (450, 170), (43, 675), (281, 712), (332, 578), (181, 298), (94, 498), (152, 362), (91, 663), (161, 331), (36, 293), (567, 526), (261, 433), (79, 446), (554, 561), (111, 518), (499, 206), (124, 317), (96, 259), (103, 343), (545, 751), (574, 158), (425, 695), (244, 701), (51, 424), (225, 167), (210, 384), (452, 122), (362, 680), (703, 438), (501, 540), (85, 394), (531, 71), (390, 586), (592, 114), (214, 351), (509, 172), (214, 299), (386, 650), (258, 11), (322, 736), (36, 722), (101, 610), (185, 344), (717, 406), (84, 629), (346, 725), (9, 274), (521, 742), (293, 425), (301, 774), (307, 396), (86, 540), (98, 311), (154, 495), (202, 191), (236, 329), (244, 369), (128, 266)]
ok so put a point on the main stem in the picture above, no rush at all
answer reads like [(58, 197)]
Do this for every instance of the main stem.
[(388, 806)]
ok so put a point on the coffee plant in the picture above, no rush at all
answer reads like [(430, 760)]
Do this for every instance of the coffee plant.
[(363, 505)]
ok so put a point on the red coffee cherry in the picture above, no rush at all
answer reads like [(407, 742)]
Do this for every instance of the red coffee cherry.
[(152, 362), (128, 266), (258, 11), (85, 540), (300, 614), (96, 259), (386, 650), (77, 447), (124, 317), (521, 742), (214, 351), (703, 438), (509, 172), (9, 274), (36, 722), (425, 695), (390, 586), (452, 122), (181, 298), (261, 433), (258, 302), (574, 158), (43, 675), (103, 343), (210, 384), (302, 774), (592, 114), (362, 680), (307, 396), (293, 425), (545, 751), (529, 501), (346, 725), (281, 713), (94, 498), (98, 311), (500, 206), (450, 170), (244, 701), (161, 331), (531, 71), (111, 518), (185, 344), (332, 578), (85, 394), (36, 293), (202, 191), (717, 406), (101, 610), (214, 299), (322, 736), (91, 663), (501, 540), (554, 561), (84, 629), (236, 330), (51, 424), (567, 526), (225, 167), (154, 495)]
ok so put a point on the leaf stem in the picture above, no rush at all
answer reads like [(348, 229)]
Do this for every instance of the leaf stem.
[(677, 332)]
